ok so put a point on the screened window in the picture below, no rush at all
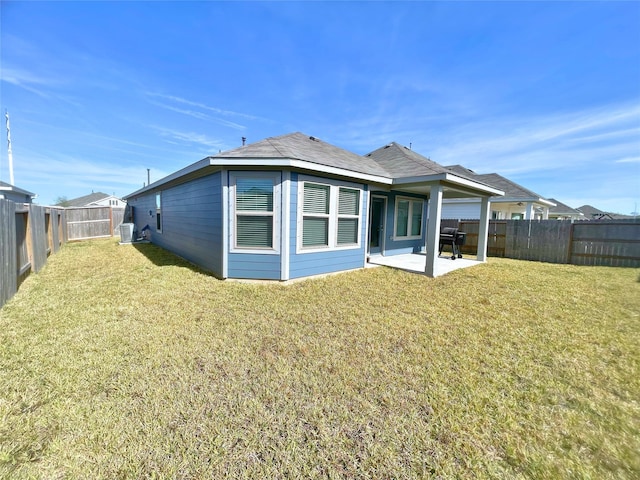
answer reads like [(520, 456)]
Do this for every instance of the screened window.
[(254, 208), (330, 215), (315, 220), (159, 212), (408, 218), (348, 215)]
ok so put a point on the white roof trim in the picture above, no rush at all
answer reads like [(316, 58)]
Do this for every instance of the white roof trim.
[(541, 201), (231, 162), (226, 162), (301, 164), (451, 178)]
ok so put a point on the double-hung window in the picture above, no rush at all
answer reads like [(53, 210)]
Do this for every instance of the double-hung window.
[(329, 216), (255, 200), (408, 218), (348, 216), (315, 221)]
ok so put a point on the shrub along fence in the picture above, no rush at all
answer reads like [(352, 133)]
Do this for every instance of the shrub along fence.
[(613, 243), (30, 233)]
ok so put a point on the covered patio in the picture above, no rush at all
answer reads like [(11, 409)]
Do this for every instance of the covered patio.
[(417, 176), (416, 262)]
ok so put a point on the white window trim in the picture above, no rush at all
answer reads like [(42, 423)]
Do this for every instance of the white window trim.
[(275, 177), (159, 212), (334, 186), (409, 219)]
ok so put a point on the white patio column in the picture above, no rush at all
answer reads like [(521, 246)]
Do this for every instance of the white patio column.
[(433, 229), (545, 213), (529, 213), (483, 229)]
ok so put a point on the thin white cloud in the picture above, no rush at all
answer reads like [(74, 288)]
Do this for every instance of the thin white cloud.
[(542, 143), (200, 116), (26, 80), (629, 160), (202, 106), (69, 170), (190, 113), (174, 136)]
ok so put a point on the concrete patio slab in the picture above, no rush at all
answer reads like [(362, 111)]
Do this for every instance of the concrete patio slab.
[(415, 263)]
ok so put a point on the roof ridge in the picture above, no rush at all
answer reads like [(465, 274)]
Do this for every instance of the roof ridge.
[(274, 146), (419, 156)]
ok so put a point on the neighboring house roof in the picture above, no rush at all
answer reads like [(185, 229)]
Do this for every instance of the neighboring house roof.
[(562, 209), (297, 150), (12, 188), (88, 200), (592, 213), (513, 192)]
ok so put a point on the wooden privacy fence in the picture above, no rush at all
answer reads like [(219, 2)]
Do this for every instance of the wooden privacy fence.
[(93, 222), (30, 233), (613, 243)]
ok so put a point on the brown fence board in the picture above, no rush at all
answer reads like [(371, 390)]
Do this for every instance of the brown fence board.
[(38, 231), (8, 255), (543, 241), (89, 222), (495, 240), (23, 260), (30, 233), (613, 243)]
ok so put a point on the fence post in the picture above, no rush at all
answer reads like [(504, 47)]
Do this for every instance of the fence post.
[(570, 247)]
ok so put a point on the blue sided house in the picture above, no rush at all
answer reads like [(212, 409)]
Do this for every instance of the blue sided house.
[(293, 206)]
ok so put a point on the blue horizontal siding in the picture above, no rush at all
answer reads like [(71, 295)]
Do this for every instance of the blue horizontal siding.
[(191, 221), (400, 247), (254, 266), (330, 261), (304, 265)]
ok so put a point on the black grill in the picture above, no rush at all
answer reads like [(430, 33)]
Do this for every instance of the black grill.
[(451, 236)]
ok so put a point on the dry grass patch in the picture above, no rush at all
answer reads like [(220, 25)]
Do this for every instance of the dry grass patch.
[(125, 362)]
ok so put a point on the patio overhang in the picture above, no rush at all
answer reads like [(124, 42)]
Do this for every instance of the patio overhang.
[(447, 185), (453, 186)]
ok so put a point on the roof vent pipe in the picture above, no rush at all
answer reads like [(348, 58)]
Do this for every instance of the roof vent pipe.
[(244, 140)]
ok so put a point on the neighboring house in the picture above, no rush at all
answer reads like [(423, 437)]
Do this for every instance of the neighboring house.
[(518, 203), (564, 212), (592, 213), (96, 199), (15, 194), (294, 206)]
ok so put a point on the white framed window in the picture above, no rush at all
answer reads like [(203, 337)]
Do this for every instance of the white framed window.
[(408, 218), (159, 212), (348, 216), (329, 215), (255, 206)]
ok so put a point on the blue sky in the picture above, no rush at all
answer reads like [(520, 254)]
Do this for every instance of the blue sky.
[(546, 94)]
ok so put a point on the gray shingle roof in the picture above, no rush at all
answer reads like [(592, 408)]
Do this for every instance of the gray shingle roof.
[(510, 189), (399, 161), (388, 163), (299, 146), (591, 212), (562, 208), (13, 188), (86, 200)]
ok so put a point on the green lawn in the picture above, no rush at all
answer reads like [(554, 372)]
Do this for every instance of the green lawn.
[(126, 362)]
